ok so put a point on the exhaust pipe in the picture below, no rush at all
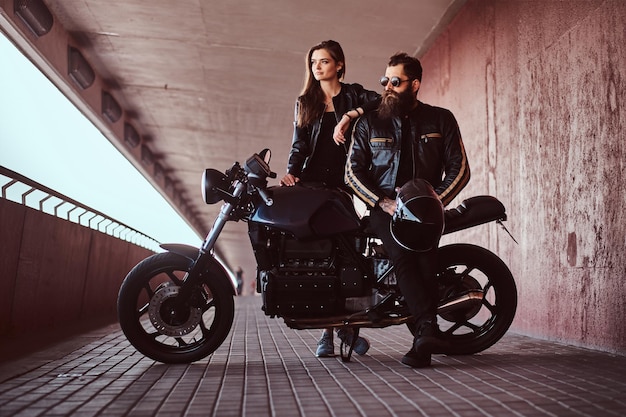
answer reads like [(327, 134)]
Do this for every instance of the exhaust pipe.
[(470, 299)]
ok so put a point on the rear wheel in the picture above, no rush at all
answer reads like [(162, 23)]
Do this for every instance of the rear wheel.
[(161, 329), (476, 325)]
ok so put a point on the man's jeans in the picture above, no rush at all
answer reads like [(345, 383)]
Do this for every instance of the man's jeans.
[(415, 271)]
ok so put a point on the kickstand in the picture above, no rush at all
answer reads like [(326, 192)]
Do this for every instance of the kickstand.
[(345, 356)]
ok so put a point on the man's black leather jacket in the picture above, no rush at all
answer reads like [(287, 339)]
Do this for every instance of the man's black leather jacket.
[(374, 156), (305, 138)]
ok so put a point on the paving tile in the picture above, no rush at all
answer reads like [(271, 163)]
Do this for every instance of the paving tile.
[(265, 368)]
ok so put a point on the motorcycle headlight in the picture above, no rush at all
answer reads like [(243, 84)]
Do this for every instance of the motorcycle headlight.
[(214, 185)]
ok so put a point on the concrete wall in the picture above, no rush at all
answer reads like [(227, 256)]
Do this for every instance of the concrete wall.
[(538, 90), (55, 274)]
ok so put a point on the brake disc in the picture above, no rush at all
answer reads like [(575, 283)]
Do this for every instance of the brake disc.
[(169, 320)]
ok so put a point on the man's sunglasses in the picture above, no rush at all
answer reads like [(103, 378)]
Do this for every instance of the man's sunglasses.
[(395, 81)]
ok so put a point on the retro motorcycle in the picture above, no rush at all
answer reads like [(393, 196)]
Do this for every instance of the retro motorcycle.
[(318, 266)]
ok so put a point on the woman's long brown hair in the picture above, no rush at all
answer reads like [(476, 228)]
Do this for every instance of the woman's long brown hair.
[(311, 100)]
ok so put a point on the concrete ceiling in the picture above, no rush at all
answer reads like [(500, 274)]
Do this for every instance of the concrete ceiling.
[(206, 83)]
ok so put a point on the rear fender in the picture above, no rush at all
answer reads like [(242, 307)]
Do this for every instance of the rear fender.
[(216, 269)]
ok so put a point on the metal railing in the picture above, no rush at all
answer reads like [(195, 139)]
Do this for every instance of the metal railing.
[(27, 192)]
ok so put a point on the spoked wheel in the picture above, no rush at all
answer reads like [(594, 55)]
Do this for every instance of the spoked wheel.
[(486, 284), (163, 329)]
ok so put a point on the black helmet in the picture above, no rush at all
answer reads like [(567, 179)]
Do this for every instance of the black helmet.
[(418, 221)]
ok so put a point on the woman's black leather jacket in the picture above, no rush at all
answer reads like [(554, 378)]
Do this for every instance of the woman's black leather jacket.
[(438, 154), (305, 138)]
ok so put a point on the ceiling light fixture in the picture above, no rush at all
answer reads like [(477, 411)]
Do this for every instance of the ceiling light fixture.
[(131, 137), (35, 15), (79, 69), (169, 186), (147, 157), (111, 110), (159, 173)]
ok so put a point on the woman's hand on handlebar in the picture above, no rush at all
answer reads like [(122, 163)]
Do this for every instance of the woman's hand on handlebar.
[(289, 180)]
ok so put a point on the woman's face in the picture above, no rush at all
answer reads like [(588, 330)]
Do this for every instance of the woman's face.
[(323, 66)]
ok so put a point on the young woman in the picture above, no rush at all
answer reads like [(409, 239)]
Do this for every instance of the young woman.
[(315, 156)]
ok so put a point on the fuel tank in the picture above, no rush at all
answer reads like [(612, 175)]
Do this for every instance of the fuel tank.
[(308, 211)]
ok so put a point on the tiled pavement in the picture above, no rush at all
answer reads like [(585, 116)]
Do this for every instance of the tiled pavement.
[(265, 368)]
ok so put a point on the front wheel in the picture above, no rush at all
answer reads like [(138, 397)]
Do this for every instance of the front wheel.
[(157, 326), (474, 327)]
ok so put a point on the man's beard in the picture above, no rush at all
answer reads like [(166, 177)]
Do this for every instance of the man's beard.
[(396, 104)]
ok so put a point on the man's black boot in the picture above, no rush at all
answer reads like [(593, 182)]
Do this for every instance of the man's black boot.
[(428, 339), (425, 343), (415, 360)]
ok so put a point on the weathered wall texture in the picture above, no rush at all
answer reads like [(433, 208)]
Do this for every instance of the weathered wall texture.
[(55, 274), (538, 88)]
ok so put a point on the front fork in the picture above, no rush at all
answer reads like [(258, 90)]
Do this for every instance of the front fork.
[(201, 264)]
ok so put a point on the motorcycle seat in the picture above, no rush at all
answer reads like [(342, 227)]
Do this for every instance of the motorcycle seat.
[(472, 212)]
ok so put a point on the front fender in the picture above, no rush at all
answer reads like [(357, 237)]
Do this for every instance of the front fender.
[(188, 251), (216, 269)]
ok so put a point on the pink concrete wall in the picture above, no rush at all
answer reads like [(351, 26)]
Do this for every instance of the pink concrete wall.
[(55, 274), (538, 90)]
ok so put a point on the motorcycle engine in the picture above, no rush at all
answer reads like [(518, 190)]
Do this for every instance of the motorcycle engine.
[(304, 278)]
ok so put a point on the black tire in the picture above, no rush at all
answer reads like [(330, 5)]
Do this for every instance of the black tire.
[(473, 329), (145, 316)]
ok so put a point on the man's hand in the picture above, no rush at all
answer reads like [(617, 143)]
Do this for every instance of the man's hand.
[(388, 205), (289, 180), (340, 129)]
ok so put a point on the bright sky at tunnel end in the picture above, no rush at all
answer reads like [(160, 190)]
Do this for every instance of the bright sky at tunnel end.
[(45, 138)]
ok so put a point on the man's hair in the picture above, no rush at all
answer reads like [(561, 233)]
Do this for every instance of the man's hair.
[(412, 66)]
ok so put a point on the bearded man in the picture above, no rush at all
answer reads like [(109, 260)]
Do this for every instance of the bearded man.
[(404, 140)]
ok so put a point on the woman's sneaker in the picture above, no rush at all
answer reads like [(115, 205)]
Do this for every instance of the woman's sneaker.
[(361, 345), (325, 346)]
